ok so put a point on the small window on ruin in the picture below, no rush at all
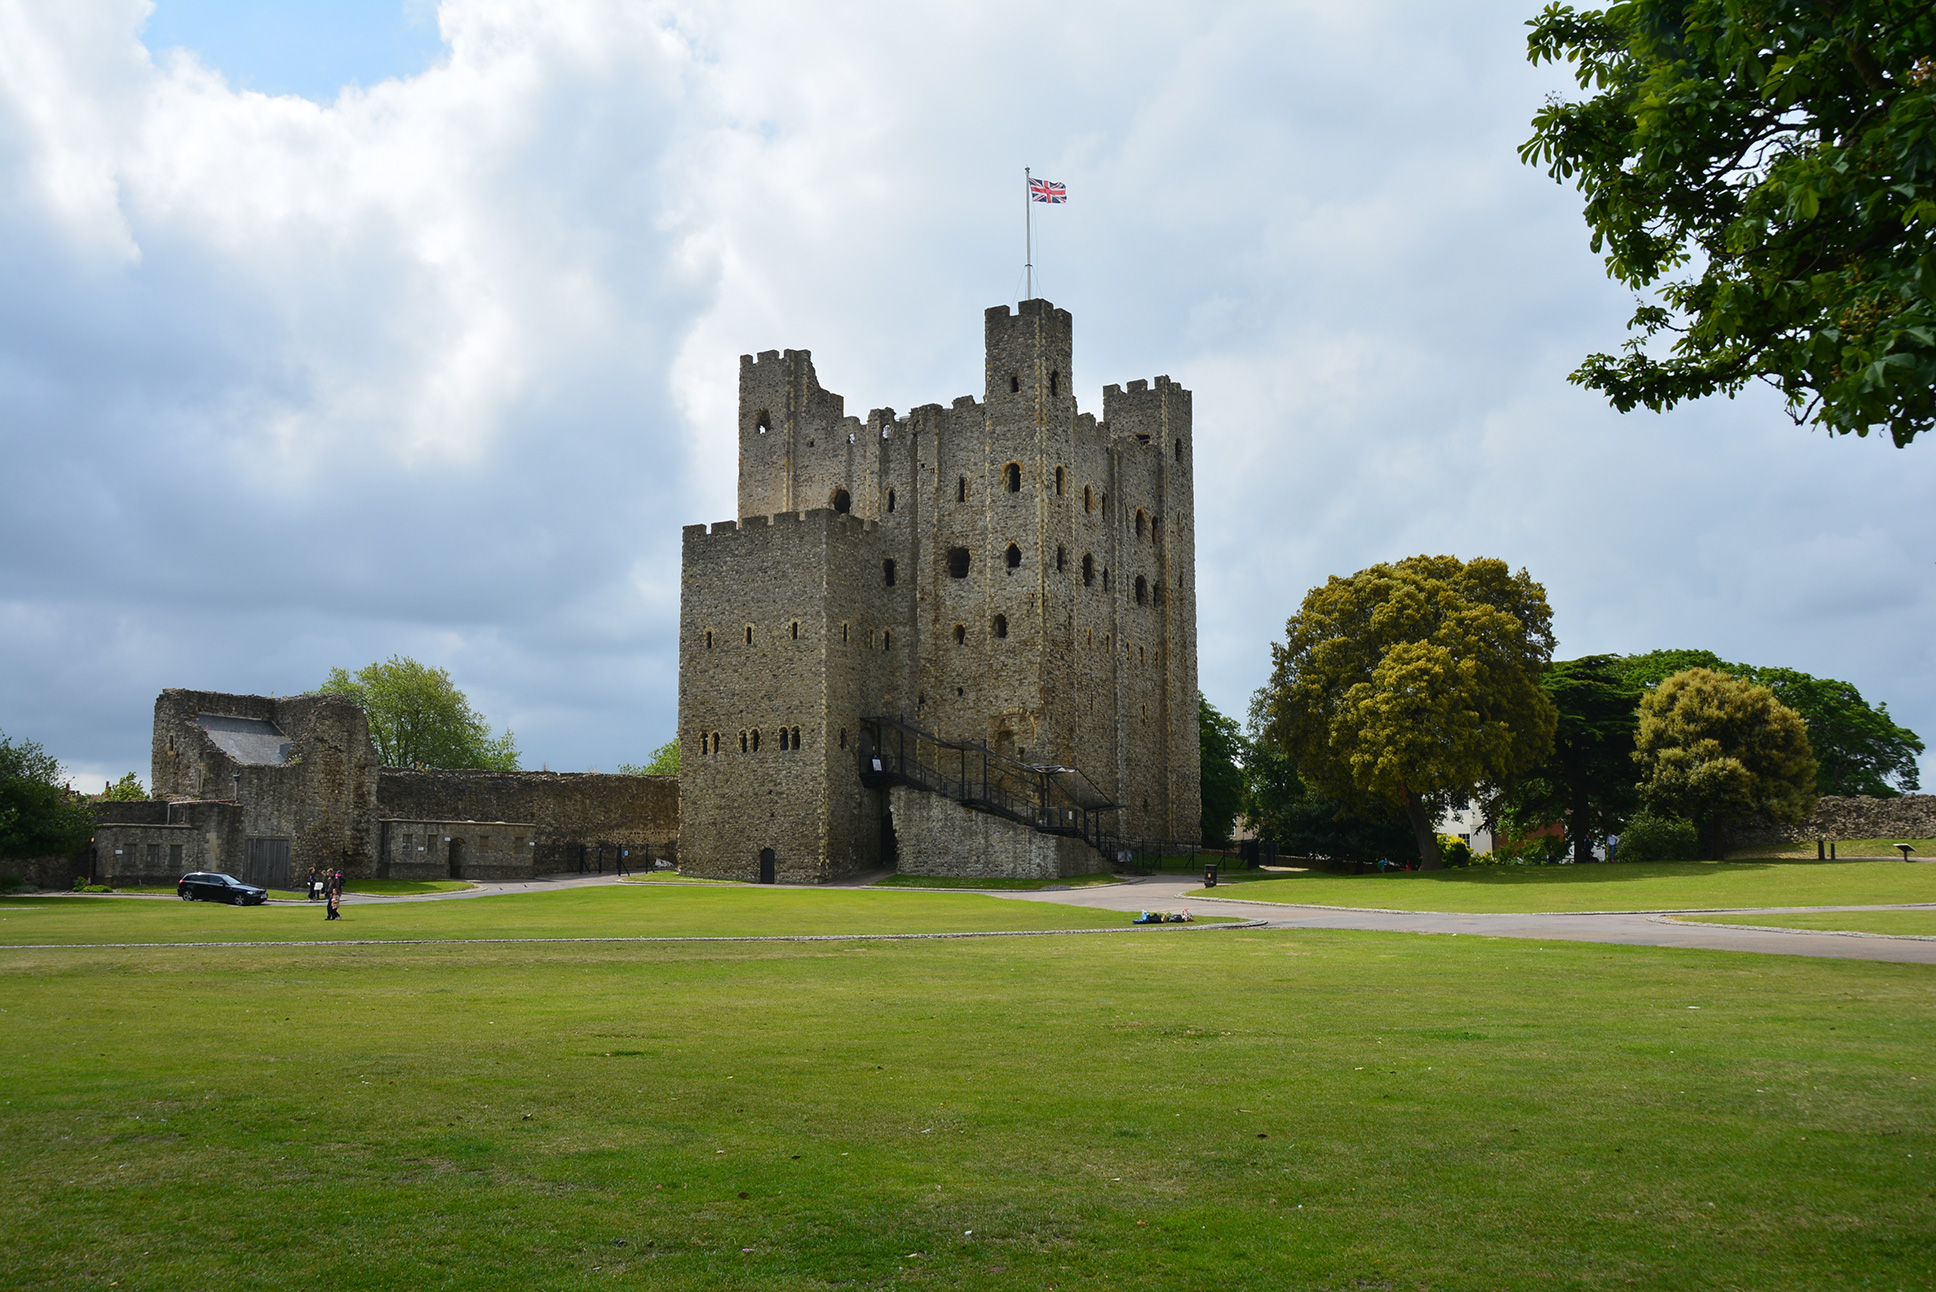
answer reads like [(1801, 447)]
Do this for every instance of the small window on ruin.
[(1012, 477), (715, 742), (1105, 578), (749, 634), (1060, 476), (1055, 382), (1001, 625), (763, 423), (1179, 450), (1142, 654), (961, 634), (1014, 384), (841, 502), (957, 562), (1061, 558), (796, 737), (890, 500), (887, 639), (709, 639), (784, 745), (1156, 530), (1142, 522), (843, 633), (961, 489), (843, 737), (756, 740), (887, 571), (742, 742), (870, 639), (1088, 570), (1014, 557), (1142, 591), (794, 628)]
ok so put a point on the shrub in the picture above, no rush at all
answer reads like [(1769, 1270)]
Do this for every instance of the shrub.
[(1656, 838), (1454, 850)]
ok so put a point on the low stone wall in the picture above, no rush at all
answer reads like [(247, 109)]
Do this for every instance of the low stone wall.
[(580, 819), (937, 836), (47, 872), (1909, 816)]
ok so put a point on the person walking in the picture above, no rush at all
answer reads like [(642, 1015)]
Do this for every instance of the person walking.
[(311, 888), (335, 905)]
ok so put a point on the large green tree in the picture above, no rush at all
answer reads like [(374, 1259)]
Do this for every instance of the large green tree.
[(1280, 807), (1221, 754), (1859, 748), (39, 815), (1768, 168), (1720, 751), (1410, 684), (1589, 780), (418, 717)]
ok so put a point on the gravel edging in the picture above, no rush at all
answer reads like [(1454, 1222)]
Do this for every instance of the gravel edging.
[(770, 937)]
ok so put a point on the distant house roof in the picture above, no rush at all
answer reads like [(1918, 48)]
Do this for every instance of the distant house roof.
[(246, 740)]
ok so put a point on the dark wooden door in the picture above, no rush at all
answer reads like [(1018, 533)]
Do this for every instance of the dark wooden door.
[(766, 865)]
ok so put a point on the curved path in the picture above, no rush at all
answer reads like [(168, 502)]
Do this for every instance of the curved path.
[(1627, 928)]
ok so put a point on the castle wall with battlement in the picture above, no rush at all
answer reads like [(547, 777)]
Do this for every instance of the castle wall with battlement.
[(1042, 597)]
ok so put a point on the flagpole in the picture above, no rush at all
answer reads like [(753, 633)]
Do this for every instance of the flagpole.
[(1028, 234)]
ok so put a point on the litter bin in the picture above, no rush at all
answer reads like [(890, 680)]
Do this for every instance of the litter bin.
[(1209, 874)]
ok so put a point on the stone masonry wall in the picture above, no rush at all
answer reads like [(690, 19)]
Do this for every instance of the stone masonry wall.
[(1910, 816), (553, 814), (938, 836)]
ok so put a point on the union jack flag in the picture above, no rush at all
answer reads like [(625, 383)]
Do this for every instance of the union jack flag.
[(1047, 190)]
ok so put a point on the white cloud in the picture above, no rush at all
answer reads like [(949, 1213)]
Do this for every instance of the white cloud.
[(440, 366)]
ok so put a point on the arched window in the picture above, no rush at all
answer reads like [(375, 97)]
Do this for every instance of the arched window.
[(756, 740), (763, 422), (841, 502), (1141, 522), (1088, 501), (1061, 558), (1088, 570), (957, 562), (742, 742), (1059, 478), (783, 740), (715, 742), (796, 737), (1142, 591), (887, 639), (887, 571), (961, 634), (1014, 557), (1001, 625), (890, 500), (961, 489), (1012, 477)]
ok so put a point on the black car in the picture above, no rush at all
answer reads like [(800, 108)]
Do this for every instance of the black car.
[(206, 887)]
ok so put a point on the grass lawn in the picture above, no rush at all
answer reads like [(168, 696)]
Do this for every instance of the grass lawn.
[(937, 881), (614, 911), (1859, 848), (1340, 1110), (1921, 923), (671, 877), (1626, 886)]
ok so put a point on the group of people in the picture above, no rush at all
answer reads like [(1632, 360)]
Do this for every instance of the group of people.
[(328, 886)]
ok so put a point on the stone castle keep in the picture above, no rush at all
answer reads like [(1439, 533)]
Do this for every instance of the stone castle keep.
[(960, 640)]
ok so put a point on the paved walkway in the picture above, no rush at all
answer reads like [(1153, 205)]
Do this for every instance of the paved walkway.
[(1638, 928)]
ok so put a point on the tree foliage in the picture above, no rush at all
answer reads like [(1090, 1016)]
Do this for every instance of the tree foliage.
[(39, 815), (1719, 751), (1859, 748), (1411, 683), (664, 762), (1221, 755), (1589, 779), (418, 717), (1768, 167), (126, 790), (1280, 806)]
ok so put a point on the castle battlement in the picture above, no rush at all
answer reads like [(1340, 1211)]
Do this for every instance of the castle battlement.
[(1004, 569)]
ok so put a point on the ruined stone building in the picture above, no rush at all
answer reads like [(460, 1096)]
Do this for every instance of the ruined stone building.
[(265, 787), (960, 639)]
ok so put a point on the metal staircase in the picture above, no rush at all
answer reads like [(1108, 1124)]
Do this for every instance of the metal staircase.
[(1050, 799)]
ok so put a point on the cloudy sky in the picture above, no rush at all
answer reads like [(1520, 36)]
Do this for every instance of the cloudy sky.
[(335, 330)]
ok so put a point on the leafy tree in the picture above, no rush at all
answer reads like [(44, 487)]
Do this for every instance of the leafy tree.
[(1589, 779), (1279, 806), (1221, 757), (126, 790), (418, 717), (664, 762), (1769, 167), (39, 815), (1719, 751), (1409, 684), (1860, 749)]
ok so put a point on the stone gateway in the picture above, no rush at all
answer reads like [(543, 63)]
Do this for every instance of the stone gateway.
[(959, 641)]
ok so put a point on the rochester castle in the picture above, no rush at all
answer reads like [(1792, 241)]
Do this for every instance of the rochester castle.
[(957, 642), (960, 641)]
